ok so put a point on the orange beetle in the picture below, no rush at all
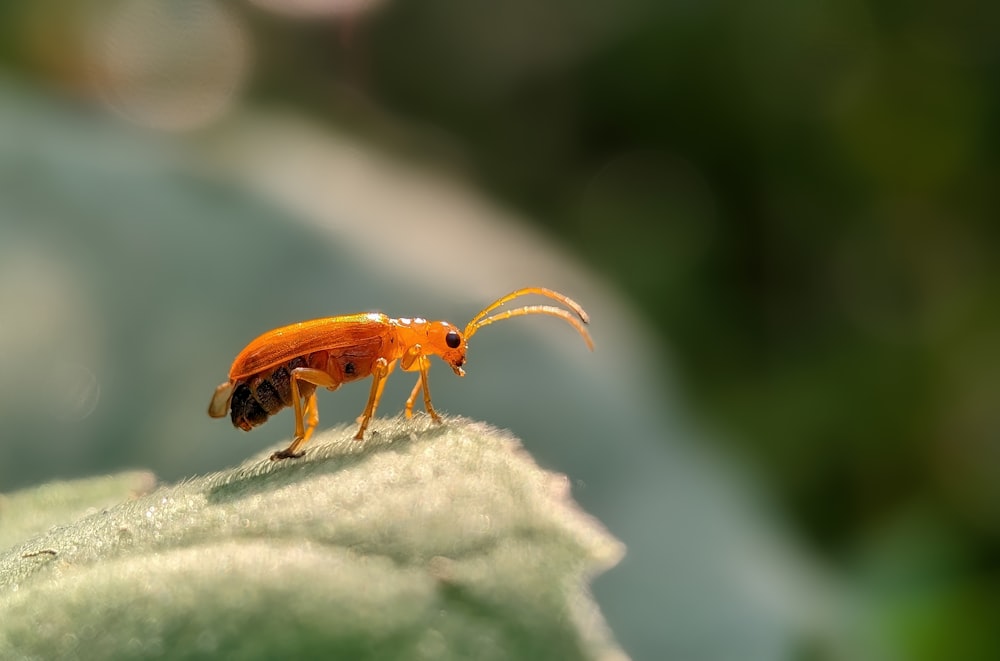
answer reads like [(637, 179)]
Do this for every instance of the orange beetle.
[(283, 367)]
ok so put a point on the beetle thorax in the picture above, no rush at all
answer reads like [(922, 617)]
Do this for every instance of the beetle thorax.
[(436, 338), (411, 331)]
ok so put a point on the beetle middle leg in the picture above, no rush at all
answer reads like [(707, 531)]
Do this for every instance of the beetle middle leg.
[(307, 417), (413, 396), (380, 372)]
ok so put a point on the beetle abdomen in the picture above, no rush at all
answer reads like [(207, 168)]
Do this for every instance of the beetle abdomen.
[(246, 412), (260, 396)]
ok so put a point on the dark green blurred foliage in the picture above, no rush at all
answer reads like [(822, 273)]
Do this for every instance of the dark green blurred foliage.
[(801, 197)]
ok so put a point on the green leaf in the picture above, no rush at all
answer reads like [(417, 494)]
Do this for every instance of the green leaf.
[(423, 542), (32, 511)]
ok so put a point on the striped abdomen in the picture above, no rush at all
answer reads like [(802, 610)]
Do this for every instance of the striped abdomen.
[(262, 395)]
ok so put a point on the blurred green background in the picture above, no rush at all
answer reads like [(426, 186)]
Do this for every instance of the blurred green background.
[(799, 198)]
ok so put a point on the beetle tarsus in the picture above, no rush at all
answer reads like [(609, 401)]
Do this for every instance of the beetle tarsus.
[(286, 454)]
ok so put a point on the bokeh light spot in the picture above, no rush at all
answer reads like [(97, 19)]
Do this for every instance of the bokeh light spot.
[(75, 392), (318, 7), (175, 65)]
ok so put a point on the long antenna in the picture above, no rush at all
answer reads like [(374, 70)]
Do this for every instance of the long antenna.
[(576, 320)]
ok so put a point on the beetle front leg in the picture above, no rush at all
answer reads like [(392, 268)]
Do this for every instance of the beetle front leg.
[(412, 356), (424, 364)]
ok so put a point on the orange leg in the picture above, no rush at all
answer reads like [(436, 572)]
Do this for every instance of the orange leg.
[(311, 416), (306, 418), (413, 396), (424, 364), (380, 372), (378, 395)]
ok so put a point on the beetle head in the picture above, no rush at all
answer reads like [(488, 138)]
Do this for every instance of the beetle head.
[(448, 343)]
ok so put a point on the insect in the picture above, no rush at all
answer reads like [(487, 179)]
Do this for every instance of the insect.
[(283, 367)]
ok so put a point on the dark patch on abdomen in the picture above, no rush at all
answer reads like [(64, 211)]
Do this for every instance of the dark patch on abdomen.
[(259, 397), (281, 380), (246, 412), (268, 397)]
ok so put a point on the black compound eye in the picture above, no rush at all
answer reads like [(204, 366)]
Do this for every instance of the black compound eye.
[(452, 339)]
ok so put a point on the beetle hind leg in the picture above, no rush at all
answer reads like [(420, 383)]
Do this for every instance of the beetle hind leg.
[(307, 416)]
